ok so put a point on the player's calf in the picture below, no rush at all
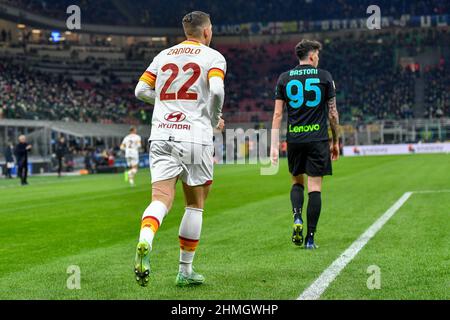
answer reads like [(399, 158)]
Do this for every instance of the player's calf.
[(164, 191)]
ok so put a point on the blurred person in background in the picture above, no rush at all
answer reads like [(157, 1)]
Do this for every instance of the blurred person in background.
[(21, 152), (9, 159), (88, 161), (61, 151)]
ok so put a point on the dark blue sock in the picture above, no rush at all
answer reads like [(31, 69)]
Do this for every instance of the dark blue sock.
[(297, 198), (314, 207)]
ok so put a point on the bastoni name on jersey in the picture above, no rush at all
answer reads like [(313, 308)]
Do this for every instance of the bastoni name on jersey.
[(226, 309)]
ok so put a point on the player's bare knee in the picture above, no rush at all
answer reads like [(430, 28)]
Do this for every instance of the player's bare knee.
[(164, 194), (314, 184), (195, 196), (298, 180)]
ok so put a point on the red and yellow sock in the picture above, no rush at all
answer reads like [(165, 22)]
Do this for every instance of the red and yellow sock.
[(188, 245), (150, 222)]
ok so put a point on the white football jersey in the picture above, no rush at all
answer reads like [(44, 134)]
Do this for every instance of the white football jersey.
[(132, 144), (180, 76)]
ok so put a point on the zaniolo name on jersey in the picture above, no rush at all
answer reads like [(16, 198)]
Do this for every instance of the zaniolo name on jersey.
[(180, 76)]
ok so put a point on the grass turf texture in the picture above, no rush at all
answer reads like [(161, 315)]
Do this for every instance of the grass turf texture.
[(245, 250)]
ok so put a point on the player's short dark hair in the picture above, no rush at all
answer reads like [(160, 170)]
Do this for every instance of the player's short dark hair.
[(132, 128), (304, 47), (194, 22)]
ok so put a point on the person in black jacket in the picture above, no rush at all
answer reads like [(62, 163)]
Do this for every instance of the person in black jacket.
[(22, 149), (9, 159), (61, 151)]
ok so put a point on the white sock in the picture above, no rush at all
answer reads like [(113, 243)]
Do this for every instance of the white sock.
[(189, 234), (157, 211), (131, 174), (185, 268)]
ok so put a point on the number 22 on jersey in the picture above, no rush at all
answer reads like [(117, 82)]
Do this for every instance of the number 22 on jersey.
[(183, 93)]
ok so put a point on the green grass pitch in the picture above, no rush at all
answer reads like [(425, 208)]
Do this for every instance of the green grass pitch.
[(245, 251)]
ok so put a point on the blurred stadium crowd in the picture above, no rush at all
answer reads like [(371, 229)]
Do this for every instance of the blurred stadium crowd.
[(370, 83), (29, 94)]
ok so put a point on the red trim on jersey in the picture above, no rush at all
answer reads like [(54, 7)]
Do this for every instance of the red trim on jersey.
[(208, 183), (216, 72), (150, 74), (218, 69)]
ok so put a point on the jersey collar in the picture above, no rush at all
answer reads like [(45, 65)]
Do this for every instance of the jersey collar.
[(192, 42)]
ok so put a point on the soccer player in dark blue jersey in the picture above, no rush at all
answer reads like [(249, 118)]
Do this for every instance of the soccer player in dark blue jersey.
[(310, 97)]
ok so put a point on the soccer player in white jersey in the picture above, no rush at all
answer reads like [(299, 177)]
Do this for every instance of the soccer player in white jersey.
[(185, 84), (131, 144)]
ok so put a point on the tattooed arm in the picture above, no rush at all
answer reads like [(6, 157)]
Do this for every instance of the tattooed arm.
[(333, 117)]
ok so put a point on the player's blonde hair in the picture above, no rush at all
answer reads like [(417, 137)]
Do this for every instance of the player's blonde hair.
[(194, 22)]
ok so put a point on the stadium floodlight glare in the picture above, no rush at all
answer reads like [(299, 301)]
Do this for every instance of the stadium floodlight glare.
[(55, 36)]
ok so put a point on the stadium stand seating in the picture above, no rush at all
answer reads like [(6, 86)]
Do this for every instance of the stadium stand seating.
[(370, 83), (94, 83), (32, 94), (437, 91)]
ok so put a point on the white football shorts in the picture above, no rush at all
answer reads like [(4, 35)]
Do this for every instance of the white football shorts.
[(132, 160), (192, 162)]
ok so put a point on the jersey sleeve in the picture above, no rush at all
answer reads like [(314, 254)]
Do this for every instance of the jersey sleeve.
[(149, 76), (331, 88), (218, 67), (280, 92)]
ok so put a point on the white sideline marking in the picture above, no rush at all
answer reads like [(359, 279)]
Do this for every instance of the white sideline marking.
[(432, 191), (318, 287), (315, 290)]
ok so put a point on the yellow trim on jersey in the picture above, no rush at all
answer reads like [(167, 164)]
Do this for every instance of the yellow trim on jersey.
[(149, 78), (195, 43), (216, 72)]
